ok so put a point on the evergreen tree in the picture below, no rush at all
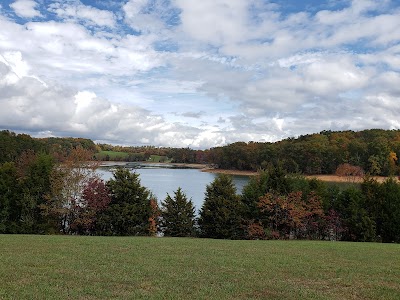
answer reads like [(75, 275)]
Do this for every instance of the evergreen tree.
[(24, 187), (37, 187), (374, 202), (9, 195), (220, 215), (251, 193), (359, 226), (129, 210), (177, 215), (390, 199)]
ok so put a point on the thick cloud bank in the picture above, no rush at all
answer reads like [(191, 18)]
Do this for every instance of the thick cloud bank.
[(198, 73)]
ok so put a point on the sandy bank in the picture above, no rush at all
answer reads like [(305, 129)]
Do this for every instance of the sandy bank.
[(230, 172), (335, 178)]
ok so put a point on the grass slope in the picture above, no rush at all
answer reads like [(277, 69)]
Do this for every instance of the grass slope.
[(158, 158), (75, 267), (112, 155)]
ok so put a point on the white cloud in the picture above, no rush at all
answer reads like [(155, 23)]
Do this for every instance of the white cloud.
[(78, 11), (14, 61), (25, 8), (217, 22), (64, 51), (28, 104), (238, 29), (146, 16), (389, 57), (143, 71)]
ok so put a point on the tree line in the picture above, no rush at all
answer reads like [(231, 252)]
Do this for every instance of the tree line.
[(12, 145), (50, 186), (375, 151), (42, 196)]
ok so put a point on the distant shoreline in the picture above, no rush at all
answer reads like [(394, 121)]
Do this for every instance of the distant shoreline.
[(206, 168), (357, 179), (230, 172), (200, 167)]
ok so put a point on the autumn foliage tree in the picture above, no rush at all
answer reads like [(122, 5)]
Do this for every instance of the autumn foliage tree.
[(154, 217), (68, 182), (95, 199), (333, 227), (292, 216), (350, 172), (392, 162)]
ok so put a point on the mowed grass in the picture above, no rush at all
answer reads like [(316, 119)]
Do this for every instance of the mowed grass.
[(158, 158), (112, 155), (76, 267)]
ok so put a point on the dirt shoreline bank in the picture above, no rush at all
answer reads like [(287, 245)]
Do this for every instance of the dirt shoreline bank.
[(206, 168), (201, 167), (230, 172), (335, 178)]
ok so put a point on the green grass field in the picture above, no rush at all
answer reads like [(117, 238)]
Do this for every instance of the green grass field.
[(115, 155), (112, 155), (158, 158), (76, 267)]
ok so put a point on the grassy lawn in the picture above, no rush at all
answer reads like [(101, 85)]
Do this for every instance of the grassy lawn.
[(158, 158), (115, 155), (74, 267), (112, 155)]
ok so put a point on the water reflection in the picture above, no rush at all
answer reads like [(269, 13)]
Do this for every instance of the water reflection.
[(161, 181)]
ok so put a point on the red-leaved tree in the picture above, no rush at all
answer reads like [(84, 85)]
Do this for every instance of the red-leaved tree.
[(95, 198), (292, 216)]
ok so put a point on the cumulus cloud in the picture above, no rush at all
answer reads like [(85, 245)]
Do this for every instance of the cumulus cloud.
[(148, 17), (25, 8), (228, 70), (28, 104), (215, 22), (70, 52), (79, 12), (195, 115)]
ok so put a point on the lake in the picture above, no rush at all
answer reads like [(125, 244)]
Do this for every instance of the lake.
[(161, 181)]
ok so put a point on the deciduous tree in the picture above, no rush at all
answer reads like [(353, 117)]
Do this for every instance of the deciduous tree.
[(95, 199), (292, 216), (350, 172), (68, 182)]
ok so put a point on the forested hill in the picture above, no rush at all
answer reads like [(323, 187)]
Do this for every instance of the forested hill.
[(375, 151), (12, 145)]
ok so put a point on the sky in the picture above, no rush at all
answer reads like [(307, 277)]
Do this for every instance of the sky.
[(198, 74)]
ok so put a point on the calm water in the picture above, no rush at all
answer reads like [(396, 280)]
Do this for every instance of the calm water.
[(192, 181)]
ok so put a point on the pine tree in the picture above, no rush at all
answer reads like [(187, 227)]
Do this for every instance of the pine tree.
[(359, 226), (251, 193), (9, 195), (130, 207), (220, 215), (390, 199), (177, 215)]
